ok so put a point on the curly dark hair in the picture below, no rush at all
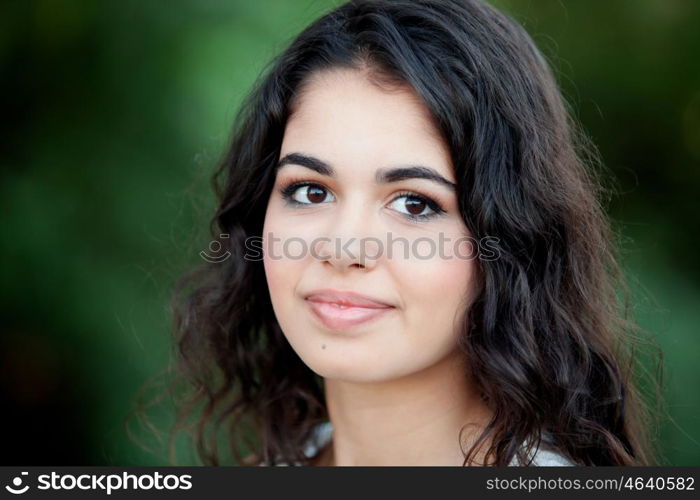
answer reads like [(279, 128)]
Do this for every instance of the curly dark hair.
[(549, 340)]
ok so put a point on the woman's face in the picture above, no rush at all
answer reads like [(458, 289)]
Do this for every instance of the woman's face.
[(344, 217)]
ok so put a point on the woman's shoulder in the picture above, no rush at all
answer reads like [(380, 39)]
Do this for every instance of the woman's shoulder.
[(545, 455), (320, 437), (546, 458)]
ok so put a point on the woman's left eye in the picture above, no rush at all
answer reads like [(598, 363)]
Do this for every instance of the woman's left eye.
[(416, 207)]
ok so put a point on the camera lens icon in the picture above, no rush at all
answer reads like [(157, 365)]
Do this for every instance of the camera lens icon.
[(17, 483)]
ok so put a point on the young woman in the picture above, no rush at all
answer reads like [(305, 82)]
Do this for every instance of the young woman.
[(419, 270)]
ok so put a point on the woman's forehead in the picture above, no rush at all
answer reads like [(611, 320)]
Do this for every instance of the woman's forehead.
[(342, 116), (355, 92)]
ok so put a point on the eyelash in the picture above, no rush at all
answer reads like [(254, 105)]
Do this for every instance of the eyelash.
[(291, 187)]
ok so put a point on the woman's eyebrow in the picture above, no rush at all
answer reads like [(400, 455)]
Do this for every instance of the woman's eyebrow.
[(383, 176)]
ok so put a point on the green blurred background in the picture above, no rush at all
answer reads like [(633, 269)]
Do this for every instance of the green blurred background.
[(115, 113)]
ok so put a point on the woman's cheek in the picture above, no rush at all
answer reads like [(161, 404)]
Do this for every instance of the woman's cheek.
[(276, 266), (442, 284)]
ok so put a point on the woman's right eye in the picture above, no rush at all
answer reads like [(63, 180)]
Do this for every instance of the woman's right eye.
[(306, 194)]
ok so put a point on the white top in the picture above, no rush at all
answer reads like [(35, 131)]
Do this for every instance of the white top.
[(323, 433)]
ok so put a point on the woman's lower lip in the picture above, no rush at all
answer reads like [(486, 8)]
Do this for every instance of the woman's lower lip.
[(335, 318)]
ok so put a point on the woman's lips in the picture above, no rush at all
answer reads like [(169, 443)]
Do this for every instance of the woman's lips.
[(338, 317)]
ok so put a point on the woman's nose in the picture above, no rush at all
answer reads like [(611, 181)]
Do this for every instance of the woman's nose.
[(350, 242)]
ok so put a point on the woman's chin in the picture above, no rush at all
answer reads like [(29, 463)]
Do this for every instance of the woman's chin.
[(344, 368)]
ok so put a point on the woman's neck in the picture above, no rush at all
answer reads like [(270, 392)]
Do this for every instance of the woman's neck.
[(414, 420)]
